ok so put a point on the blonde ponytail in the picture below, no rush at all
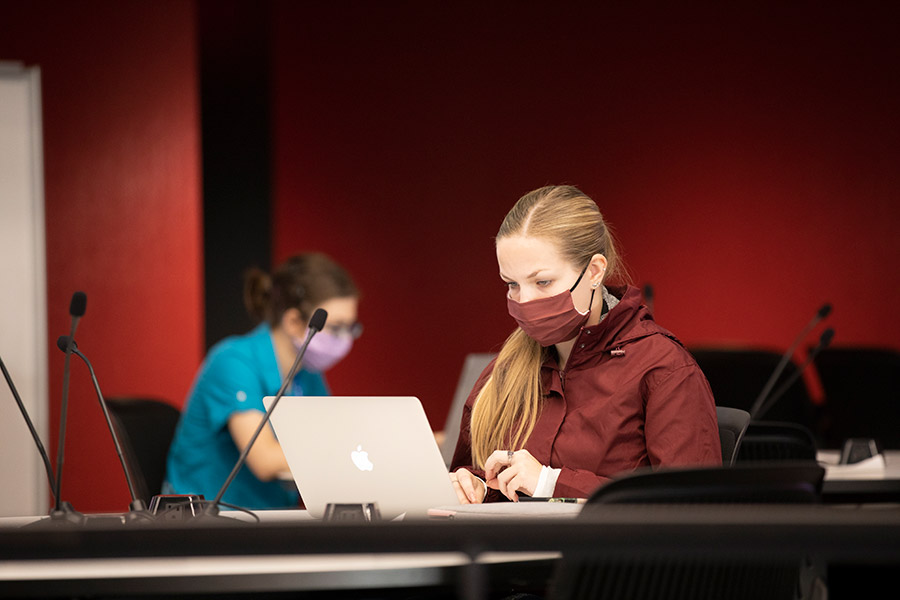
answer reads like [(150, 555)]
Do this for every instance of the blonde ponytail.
[(508, 405)]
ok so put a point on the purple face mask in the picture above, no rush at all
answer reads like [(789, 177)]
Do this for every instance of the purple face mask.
[(325, 350)]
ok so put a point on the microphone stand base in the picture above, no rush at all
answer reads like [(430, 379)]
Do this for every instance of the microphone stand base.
[(64, 516)]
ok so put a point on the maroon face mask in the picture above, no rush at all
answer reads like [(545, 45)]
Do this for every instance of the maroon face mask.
[(550, 320)]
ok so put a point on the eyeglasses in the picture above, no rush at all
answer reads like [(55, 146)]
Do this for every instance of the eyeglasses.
[(353, 330)]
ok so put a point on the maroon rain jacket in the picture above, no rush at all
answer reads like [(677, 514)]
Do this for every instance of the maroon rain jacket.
[(630, 396)]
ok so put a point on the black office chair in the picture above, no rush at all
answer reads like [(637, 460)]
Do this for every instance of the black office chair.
[(674, 577), (732, 424), (862, 394), (145, 428), (738, 375), (766, 441)]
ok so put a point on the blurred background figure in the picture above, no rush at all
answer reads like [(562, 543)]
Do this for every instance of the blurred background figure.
[(225, 406)]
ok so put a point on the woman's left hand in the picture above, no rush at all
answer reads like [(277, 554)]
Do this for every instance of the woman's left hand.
[(512, 472)]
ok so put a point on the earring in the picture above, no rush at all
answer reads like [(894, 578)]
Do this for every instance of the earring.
[(595, 286)]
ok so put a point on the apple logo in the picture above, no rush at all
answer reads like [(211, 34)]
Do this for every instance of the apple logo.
[(360, 458)]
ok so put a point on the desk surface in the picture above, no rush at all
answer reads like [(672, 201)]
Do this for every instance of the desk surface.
[(288, 550), (877, 480), (826, 530)]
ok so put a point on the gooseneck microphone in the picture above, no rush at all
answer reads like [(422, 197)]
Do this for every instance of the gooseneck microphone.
[(77, 307), (824, 340), (316, 323), (34, 433), (823, 312), (67, 344)]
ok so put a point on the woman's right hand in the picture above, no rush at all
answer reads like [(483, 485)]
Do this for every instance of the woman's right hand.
[(469, 488)]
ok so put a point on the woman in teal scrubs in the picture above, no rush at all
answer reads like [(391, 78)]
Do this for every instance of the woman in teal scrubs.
[(225, 406)]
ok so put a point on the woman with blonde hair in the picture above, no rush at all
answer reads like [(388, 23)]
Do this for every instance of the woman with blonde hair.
[(588, 385)]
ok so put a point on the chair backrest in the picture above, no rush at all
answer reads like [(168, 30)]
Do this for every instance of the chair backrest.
[(732, 424), (740, 484), (766, 441), (862, 394), (667, 575), (472, 368), (145, 428), (737, 376)]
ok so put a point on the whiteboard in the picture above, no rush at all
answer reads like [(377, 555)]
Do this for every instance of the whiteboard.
[(23, 291)]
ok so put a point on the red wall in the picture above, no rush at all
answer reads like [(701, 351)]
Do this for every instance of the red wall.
[(747, 159), (121, 157)]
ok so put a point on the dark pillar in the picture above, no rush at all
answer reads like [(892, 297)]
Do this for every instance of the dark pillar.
[(235, 58)]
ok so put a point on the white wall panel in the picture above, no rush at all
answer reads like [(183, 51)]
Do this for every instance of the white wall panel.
[(23, 297)]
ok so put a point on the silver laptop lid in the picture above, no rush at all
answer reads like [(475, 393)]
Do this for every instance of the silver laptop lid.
[(359, 449)]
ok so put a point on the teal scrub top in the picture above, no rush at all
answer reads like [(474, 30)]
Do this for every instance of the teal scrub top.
[(237, 373)]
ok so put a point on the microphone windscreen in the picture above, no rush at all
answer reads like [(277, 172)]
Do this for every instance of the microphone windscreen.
[(826, 337), (78, 304), (317, 321), (63, 341), (825, 310)]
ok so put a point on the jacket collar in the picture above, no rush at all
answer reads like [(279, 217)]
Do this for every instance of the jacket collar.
[(627, 322)]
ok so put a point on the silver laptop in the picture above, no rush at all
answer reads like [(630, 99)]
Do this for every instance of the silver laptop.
[(360, 450)]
